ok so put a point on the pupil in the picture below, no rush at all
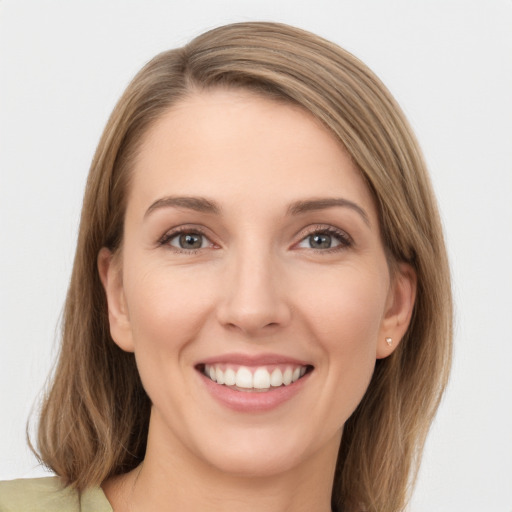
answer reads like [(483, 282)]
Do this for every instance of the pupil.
[(190, 241), (320, 241)]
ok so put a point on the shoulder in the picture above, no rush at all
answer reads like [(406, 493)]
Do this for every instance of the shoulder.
[(48, 494), (36, 494)]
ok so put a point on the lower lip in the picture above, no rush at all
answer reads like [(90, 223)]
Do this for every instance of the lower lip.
[(253, 401)]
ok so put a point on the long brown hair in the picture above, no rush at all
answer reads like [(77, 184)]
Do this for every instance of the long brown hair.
[(94, 419)]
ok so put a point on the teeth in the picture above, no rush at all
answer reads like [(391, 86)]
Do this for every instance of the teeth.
[(276, 379), (261, 379), (244, 378), (229, 377)]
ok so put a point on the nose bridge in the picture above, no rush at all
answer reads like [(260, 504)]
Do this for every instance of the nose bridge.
[(253, 295)]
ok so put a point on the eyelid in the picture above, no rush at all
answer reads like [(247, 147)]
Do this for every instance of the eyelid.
[(185, 228), (341, 235)]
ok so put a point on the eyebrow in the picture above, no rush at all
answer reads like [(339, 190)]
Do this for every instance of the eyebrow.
[(299, 207), (198, 204), (201, 204)]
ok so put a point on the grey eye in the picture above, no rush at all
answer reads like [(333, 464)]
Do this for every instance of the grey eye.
[(320, 241), (188, 241)]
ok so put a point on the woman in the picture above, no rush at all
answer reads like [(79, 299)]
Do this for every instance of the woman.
[(259, 314)]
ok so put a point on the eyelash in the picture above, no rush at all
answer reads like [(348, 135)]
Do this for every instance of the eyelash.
[(179, 231), (345, 241)]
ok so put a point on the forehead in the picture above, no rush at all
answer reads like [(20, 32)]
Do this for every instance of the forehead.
[(238, 144)]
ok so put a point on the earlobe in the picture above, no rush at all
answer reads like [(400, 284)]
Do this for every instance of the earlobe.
[(110, 273), (399, 309)]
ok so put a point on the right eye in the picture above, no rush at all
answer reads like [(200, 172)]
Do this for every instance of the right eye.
[(186, 241)]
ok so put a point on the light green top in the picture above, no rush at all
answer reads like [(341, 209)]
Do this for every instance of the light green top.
[(49, 495)]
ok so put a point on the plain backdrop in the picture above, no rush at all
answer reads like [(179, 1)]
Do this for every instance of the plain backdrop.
[(63, 65)]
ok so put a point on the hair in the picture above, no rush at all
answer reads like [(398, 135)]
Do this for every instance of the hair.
[(95, 415)]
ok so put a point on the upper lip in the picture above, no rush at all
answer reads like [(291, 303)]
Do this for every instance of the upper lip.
[(253, 360)]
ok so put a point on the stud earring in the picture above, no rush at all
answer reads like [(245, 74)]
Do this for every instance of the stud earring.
[(389, 341)]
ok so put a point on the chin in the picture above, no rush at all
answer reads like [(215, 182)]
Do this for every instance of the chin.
[(255, 464), (267, 452)]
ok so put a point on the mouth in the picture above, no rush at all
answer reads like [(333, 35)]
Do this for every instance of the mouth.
[(253, 379)]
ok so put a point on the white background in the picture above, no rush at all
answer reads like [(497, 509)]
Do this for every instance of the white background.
[(63, 64)]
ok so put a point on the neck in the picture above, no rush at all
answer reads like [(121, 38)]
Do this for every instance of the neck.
[(172, 478)]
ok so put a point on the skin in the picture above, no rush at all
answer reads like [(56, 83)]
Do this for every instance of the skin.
[(257, 285)]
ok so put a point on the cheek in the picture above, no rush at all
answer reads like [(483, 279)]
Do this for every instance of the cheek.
[(346, 308), (348, 332), (345, 323), (166, 311), (165, 308)]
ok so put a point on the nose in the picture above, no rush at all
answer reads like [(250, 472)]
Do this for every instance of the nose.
[(253, 295)]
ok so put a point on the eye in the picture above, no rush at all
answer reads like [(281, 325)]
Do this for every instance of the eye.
[(186, 241), (325, 239)]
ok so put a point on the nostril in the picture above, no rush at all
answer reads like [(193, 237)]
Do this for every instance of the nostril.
[(252, 307)]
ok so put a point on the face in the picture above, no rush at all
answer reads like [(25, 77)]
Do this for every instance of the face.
[(252, 283)]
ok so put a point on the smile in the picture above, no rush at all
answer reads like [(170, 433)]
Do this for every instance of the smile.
[(261, 378)]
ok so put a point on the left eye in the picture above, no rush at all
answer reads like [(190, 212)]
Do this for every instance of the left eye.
[(322, 241), (189, 241)]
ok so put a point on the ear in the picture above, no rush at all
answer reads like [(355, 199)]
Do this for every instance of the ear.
[(399, 308), (111, 276)]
